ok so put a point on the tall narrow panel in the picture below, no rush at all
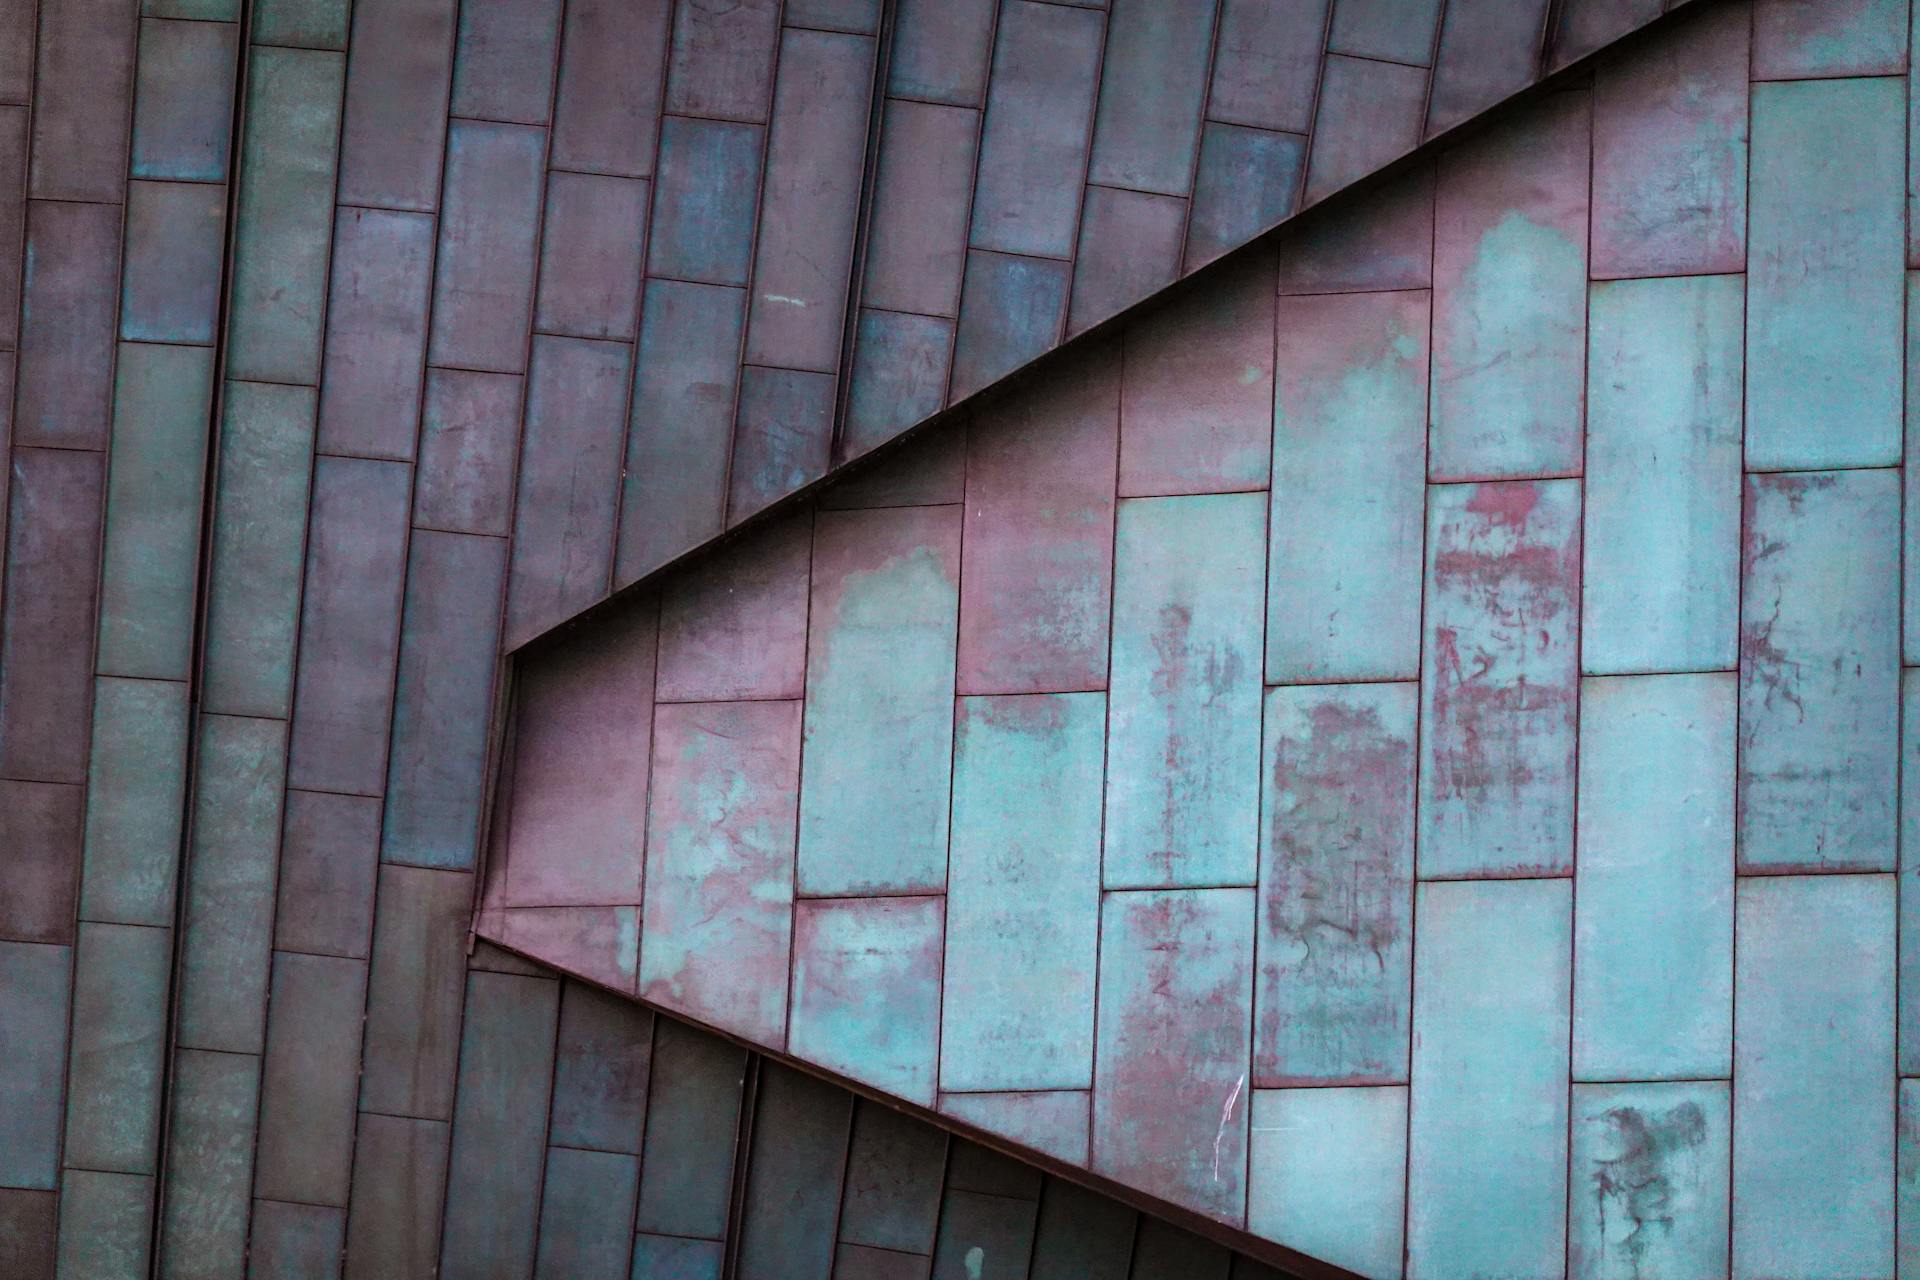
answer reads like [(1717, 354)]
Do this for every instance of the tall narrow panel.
[(1839, 38), (1037, 569), (1183, 776), (679, 434), (1500, 687), (896, 1165), (1648, 1174), (1170, 1085), (105, 1225), (349, 625), (399, 1181), (586, 1214), (1033, 151), (1653, 929), (1369, 115), (393, 138), (1153, 81), (985, 1234), (923, 192), (592, 243), (1196, 393), (1082, 1235), (715, 939), (170, 288), (782, 439), (866, 990), (65, 381), (585, 712), (1349, 491), (735, 625), (499, 1125), (414, 991), (692, 1117), (722, 62), (483, 277), (285, 212), (1023, 898), (879, 723), (1130, 247), (46, 635), (569, 483), (1909, 859), (1510, 295), (1336, 885), (376, 333), (704, 201), (443, 699), (816, 154), (606, 110), (1266, 62), (135, 779), (311, 1076), (118, 1047), (183, 100), (469, 443), (796, 1164), (162, 398), (1813, 1094), (329, 857), (259, 535), (1012, 310), (1248, 180), (33, 1059), (1819, 670), (84, 78), (203, 1230), (40, 828), (603, 1059), (1662, 536), (503, 60), (1489, 1100), (1824, 292), (1327, 1175), (227, 924), (1670, 151)]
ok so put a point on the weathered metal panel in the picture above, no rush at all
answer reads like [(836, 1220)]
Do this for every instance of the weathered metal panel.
[(603, 1059), (1662, 536), (503, 60), (1369, 113), (693, 1115), (296, 1241), (1649, 1180), (1266, 63), (895, 1170), (118, 1047), (879, 722), (1012, 310), (1813, 1091), (399, 1182), (1130, 247), (499, 1125), (716, 936), (1334, 987), (606, 111), (469, 443), (1184, 735), (65, 379), (735, 625), (922, 196), (394, 135), (592, 242), (81, 88), (586, 1215), (1485, 53), (1033, 150), (988, 1237), (1023, 894), (1054, 1122), (782, 439), (1037, 564), (414, 992), (203, 1220), (105, 1225), (310, 1078), (40, 828), (1327, 1174), (1824, 289), (1489, 1098), (376, 332), (489, 227), (135, 782), (1170, 1080), (183, 100), (1153, 87), (1500, 687), (796, 1163), (1670, 151), (866, 990), (1349, 488), (1383, 242), (722, 62), (1837, 38), (350, 625), (940, 50), (329, 855), (170, 283), (1819, 671), (1510, 297), (704, 200), (34, 993), (1248, 180)]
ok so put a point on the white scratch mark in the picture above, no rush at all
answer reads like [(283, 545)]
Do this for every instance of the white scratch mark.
[(1226, 1114), (781, 297)]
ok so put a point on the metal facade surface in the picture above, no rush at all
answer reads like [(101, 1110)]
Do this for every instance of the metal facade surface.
[(1491, 867)]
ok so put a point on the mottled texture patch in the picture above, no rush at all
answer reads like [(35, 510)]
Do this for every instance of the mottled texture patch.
[(1648, 1190), (866, 990)]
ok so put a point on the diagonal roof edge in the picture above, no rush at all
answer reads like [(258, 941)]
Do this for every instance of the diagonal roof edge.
[(1551, 79)]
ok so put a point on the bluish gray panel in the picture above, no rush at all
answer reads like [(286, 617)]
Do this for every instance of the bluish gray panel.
[(1327, 1174), (1653, 928), (1649, 1181)]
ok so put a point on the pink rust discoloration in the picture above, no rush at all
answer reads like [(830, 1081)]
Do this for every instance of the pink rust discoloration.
[(1336, 886), (600, 944), (1501, 686), (734, 625), (1170, 1087), (720, 839), (866, 990), (580, 779), (1037, 578), (1196, 395)]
